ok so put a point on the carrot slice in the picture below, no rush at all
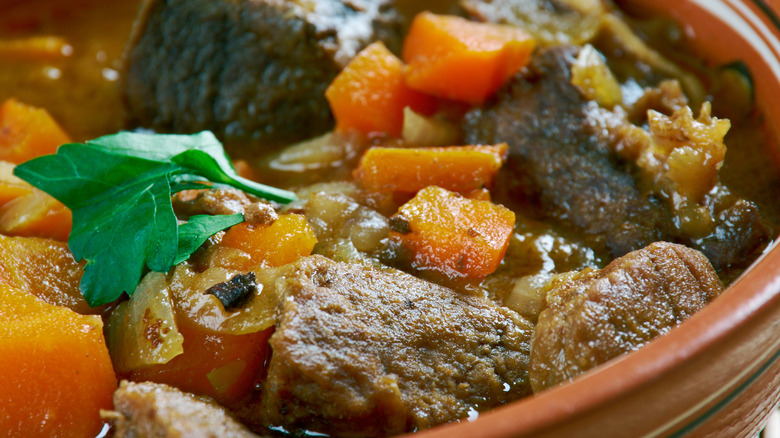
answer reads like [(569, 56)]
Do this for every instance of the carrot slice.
[(459, 237), (56, 371), (461, 169), (287, 239), (27, 132), (218, 365), (458, 59), (369, 95)]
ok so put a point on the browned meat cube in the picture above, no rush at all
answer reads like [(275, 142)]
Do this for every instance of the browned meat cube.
[(595, 315), (249, 70), (561, 165), (564, 164), (146, 410), (364, 351)]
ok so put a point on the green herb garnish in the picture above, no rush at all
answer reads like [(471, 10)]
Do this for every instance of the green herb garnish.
[(119, 189)]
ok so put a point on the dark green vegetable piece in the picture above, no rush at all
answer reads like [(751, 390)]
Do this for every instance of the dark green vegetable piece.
[(119, 190)]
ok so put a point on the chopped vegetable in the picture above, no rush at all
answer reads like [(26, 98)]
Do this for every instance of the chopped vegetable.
[(458, 59), (592, 76), (461, 169), (27, 132), (256, 312), (419, 130), (221, 366), (142, 330), (459, 237), (35, 215), (44, 268), (285, 241), (55, 369), (11, 187), (369, 95), (119, 190)]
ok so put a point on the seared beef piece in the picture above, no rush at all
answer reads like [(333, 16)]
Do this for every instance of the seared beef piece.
[(249, 70), (363, 351), (595, 315), (223, 201), (153, 410), (556, 162), (740, 233), (562, 161)]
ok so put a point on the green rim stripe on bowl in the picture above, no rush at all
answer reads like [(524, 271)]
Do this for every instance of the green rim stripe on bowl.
[(770, 14), (695, 424)]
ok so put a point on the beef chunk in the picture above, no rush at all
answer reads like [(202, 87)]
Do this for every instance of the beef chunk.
[(595, 315), (147, 410), (249, 70), (557, 163), (589, 170), (363, 351)]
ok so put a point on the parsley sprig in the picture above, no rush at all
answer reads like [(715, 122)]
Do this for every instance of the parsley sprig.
[(119, 188)]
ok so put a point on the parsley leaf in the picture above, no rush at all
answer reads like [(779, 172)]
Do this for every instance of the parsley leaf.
[(119, 190), (198, 229), (201, 154)]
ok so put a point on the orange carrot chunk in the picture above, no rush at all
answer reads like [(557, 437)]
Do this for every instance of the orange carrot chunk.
[(55, 370), (461, 169), (27, 132), (458, 59), (285, 241), (459, 237), (369, 95), (217, 365)]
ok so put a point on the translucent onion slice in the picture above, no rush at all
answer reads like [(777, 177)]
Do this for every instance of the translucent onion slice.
[(142, 330), (204, 310)]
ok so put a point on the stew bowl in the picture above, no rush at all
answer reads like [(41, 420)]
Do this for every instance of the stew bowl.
[(718, 373)]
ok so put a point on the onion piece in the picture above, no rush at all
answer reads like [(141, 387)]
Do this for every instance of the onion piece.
[(142, 331), (419, 130)]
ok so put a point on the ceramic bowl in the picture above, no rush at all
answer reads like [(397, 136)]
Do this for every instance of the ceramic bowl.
[(718, 373)]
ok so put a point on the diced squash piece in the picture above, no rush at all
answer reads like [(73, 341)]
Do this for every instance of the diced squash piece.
[(218, 365), (27, 132), (44, 268), (11, 186), (463, 60), (55, 369), (36, 214), (369, 95), (461, 169), (459, 237), (284, 241)]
